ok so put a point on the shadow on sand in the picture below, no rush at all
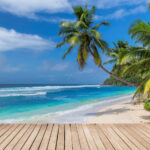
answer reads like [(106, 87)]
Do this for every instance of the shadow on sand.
[(108, 112), (145, 117)]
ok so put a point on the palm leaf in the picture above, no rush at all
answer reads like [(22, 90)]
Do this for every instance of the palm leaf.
[(102, 23)]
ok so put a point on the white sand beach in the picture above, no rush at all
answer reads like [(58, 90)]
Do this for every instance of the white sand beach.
[(121, 112)]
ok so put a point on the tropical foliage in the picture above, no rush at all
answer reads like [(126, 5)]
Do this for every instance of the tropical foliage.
[(147, 104), (131, 64), (134, 61), (113, 81), (84, 35)]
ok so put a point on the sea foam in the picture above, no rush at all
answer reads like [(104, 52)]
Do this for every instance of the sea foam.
[(23, 94)]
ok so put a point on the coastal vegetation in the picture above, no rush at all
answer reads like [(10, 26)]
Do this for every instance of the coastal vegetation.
[(85, 35), (147, 105), (131, 64)]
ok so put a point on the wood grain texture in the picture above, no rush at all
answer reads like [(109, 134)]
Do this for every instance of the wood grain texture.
[(74, 136)]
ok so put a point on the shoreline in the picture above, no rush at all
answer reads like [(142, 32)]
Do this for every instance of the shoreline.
[(76, 115), (116, 110)]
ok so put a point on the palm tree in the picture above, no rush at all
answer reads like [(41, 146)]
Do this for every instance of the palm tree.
[(84, 35), (141, 68), (140, 31)]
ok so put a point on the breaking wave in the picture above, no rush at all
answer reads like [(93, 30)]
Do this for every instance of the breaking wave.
[(23, 94)]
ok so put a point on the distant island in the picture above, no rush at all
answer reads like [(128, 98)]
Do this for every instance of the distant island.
[(113, 81)]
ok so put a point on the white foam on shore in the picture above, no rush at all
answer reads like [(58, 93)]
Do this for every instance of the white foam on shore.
[(61, 116), (24, 94), (88, 106), (35, 88)]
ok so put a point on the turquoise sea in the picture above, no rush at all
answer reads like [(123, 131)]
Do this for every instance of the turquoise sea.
[(21, 102)]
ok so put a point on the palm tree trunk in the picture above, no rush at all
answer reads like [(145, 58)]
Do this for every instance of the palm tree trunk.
[(113, 75), (118, 78)]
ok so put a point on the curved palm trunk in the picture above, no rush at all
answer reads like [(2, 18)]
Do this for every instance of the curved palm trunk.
[(118, 78)]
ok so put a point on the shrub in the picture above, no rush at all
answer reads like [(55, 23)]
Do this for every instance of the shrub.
[(147, 105)]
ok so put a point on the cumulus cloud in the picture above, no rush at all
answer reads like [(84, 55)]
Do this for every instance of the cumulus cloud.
[(110, 3), (29, 8), (123, 12), (56, 19), (12, 40)]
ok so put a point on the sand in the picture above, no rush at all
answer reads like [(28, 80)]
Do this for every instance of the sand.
[(122, 112)]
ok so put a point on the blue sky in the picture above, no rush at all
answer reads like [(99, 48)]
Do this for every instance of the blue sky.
[(29, 33)]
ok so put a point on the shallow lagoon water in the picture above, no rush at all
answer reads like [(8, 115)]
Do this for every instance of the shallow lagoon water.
[(29, 101)]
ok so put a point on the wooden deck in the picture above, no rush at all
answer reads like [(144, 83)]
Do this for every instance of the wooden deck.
[(74, 137)]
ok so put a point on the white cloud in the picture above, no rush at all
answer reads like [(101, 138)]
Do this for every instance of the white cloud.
[(29, 8), (123, 12), (56, 19), (32, 8), (12, 40), (110, 3)]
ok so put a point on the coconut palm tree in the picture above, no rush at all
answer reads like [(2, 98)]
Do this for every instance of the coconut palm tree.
[(141, 67), (140, 31), (84, 35)]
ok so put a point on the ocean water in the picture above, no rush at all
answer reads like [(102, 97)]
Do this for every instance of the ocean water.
[(23, 102)]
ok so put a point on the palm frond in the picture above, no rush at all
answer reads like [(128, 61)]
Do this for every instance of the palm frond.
[(140, 31), (96, 27), (97, 58), (67, 52)]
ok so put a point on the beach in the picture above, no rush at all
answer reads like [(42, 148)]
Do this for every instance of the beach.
[(70, 104), (121, 112)]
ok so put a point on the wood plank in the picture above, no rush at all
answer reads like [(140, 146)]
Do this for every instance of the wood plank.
[(89, 138), (130, 137), (68, 138), (136, 136), (4, 136), (143, 130), (37, 141), (104, 139), (11, 136), (111, 138), (5, 129), (24, 138), (75, 138), (117, 138), (146, 125), (60, 141), (45, 141), (82, 138), (2, 126), (32, 137), (17, 138), (141, 133), (53, 138), (96, 137), (124, 138)]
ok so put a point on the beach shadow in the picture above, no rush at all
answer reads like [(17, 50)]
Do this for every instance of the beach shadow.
[(108, 112), (145, 117)]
